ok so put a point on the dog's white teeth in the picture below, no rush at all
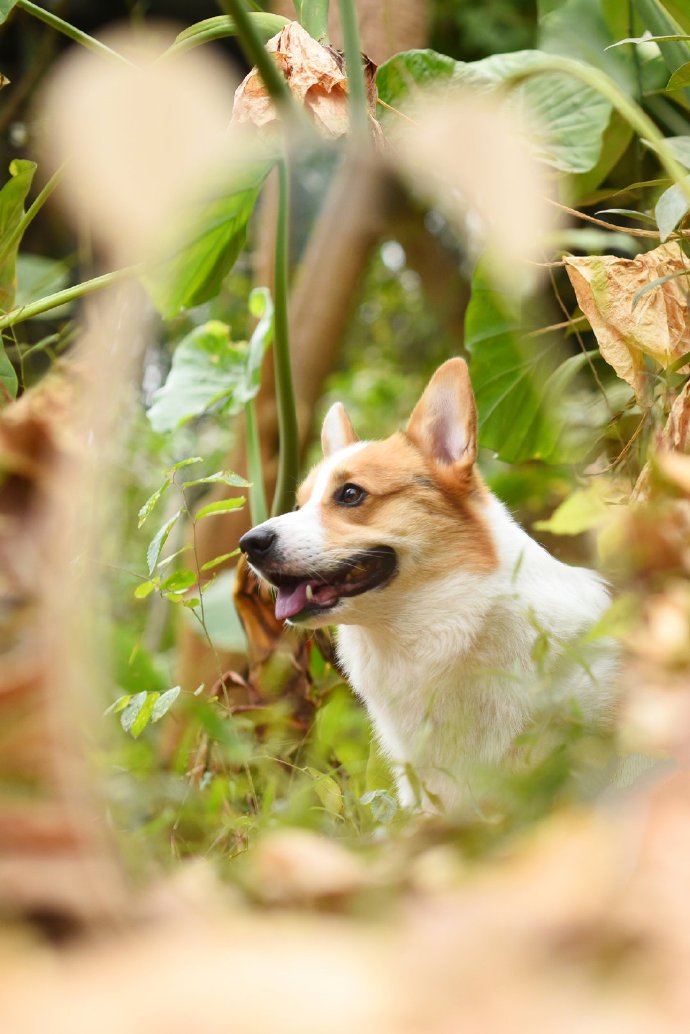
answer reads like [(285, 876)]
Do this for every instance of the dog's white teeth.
[(310, 593)]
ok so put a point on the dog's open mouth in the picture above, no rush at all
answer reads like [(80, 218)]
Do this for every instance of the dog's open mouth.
[(299, 597)]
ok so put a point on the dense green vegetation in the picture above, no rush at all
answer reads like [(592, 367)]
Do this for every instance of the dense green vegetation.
[(570, 400)]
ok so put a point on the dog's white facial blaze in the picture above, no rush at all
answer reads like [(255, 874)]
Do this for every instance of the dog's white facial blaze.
[(301, 535)]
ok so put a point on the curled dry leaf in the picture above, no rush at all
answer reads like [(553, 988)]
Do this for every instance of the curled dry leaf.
[(315, 75), (471, 156), (657, 326), (672, 442)]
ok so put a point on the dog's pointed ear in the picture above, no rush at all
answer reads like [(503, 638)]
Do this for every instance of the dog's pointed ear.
[(337, 430), (443, 424)]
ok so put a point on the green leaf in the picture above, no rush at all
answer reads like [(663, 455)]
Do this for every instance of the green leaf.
[(206, 368), (265, 25), (671, 207), (223, 477), (179, 581), (582, 511), (12, 198), (158, 541), (313, 15), (674, 49), (136, 715), (37, 277), (147, 508), (145, 589), (648, 38), (680, 78), (164, 702), (261, 307), (327, 790), (220, 506), (190, 461), (118, 705), (572, 115), (173, 556), (382, 803), (519, 383), (8, 376), (213, 234), (679, 146), (5, 8), (219, 560)]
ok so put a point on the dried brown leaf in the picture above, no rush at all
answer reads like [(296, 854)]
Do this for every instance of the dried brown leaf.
[(315, 75), (657, 326)]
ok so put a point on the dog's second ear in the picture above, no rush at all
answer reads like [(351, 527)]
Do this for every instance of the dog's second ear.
[(444, 421), (337, 431)]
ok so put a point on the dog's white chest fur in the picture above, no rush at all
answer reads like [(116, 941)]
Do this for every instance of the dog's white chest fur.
[(450, 675)]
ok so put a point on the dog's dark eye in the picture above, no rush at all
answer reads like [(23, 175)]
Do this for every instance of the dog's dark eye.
[(350, 495)]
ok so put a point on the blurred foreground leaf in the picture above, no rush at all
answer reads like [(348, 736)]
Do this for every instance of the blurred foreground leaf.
[(571, 117)]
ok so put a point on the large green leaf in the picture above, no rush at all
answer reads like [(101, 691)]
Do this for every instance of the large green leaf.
[(37, 277), (206, 367), (12, 198), (5, 8), (8, 377), (213, 236), (671, 207), (222, 25), (519, 382), (572, 116)]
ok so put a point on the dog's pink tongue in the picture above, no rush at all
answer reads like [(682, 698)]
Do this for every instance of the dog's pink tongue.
[(291, 601)]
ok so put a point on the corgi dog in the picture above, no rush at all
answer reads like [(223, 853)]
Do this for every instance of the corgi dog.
[(440, 597)]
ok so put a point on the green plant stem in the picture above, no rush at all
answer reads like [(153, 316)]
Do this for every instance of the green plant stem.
[(32, 211), (357, 91), (288, 464), (71, 31), (314, 18), (631, 112), (257, 494), (256, 53), (70, 294)]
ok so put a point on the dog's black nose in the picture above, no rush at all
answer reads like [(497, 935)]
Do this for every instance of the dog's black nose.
[(257, 543)]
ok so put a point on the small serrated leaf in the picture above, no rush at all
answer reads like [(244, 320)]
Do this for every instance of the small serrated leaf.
[(222, 477), (219, 560), (184, 463), (130, 712), (173, 556), (220, 506), (164, 702), (180, 581), (118, 705), (147, 508), (158, 541), (145, 589), (672, 206)]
